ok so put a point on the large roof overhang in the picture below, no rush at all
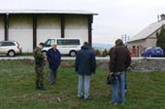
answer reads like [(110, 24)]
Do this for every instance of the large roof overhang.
[(78, 12)]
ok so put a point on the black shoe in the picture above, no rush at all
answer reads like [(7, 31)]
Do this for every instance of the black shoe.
[(89, 98), (52, 83), (38, 87), (82, 97), (43, 88)]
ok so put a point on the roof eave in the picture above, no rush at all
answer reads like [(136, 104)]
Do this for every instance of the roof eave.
[(76, 12), (136, 40)]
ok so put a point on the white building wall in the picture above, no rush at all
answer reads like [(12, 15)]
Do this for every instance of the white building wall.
[(21, 30), (48, 26), (76, 27), (1, 28), (137, 43), (151, 42)]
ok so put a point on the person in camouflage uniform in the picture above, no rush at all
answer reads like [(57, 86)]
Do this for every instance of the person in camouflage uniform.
[(39, 66)]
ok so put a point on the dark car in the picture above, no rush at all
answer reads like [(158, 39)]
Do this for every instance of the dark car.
[(153, 52)]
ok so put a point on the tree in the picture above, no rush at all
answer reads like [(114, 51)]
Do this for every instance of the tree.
[(97, 52), (105, 53), (161, 38)]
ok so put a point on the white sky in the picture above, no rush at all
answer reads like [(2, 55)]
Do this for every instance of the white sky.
[(116, 17)]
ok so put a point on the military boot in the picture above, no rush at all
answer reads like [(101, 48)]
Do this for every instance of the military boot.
[(37, 86), (42, 88)]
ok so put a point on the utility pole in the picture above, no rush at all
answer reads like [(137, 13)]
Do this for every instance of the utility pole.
[(124, 38), (128, 38)]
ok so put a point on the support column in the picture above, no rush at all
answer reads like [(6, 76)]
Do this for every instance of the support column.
[(34, 31), (90, 21), (62, 26), (6, 27)]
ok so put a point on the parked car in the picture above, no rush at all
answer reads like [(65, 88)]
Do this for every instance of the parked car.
[(10, 48), (153, 52), (65, 45)]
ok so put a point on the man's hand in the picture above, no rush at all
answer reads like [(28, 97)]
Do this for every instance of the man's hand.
[(110, 73)]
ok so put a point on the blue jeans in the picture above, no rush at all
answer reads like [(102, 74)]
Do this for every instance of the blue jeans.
[(120, 79), (83, 85), (125, 79)]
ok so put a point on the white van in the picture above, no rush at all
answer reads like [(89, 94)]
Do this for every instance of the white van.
[(64, 45)]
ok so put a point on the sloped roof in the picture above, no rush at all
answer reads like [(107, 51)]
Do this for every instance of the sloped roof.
[(39, 11), (146, 32)]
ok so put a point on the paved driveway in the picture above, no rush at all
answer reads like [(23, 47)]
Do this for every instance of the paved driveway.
[(73, 58)]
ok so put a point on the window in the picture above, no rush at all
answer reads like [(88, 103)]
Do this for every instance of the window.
[(8, 44), (49, 42), (17, 43), (149, 48), (68, 42)]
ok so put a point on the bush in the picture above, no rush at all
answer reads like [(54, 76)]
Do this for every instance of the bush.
[(98, 53), (105, 53)]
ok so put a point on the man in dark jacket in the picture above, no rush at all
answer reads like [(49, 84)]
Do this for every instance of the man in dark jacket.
[(85, 65), (119, 61), (39, 66), (54, 59)]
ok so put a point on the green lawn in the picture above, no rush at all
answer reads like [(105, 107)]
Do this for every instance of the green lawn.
[(17, 89)]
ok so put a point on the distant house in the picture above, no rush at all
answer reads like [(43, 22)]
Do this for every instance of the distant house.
[(30, 27), (145, 38)]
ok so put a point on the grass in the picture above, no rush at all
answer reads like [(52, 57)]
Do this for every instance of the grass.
[(17, 89)]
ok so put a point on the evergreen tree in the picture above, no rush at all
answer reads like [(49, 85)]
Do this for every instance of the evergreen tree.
[(98, 53), (161, 38), (105, 52)]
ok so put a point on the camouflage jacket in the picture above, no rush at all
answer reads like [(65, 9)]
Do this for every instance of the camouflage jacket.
[(39, 57)]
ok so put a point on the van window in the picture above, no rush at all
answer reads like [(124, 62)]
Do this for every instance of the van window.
[(68, 42), (49, 42)]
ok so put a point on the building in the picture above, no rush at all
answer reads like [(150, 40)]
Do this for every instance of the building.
[(145, 38), (30, 27)]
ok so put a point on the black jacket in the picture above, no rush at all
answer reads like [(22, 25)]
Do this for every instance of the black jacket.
[(119, 59), (54, 59), (85, 63)]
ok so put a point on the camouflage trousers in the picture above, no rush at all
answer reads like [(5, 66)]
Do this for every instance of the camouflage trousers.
[(39, 75)]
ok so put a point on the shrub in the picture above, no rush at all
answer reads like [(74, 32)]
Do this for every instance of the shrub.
[(105, 53), (98, 53)]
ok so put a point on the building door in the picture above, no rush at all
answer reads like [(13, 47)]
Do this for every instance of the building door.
[(138, 51), (133, 51)]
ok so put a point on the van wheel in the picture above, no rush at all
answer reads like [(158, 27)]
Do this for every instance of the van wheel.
[(11, 53), (73, 53)]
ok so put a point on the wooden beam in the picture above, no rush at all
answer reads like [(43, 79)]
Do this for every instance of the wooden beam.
[(34, 31), (90, 21), (62, 26), (6, 27)]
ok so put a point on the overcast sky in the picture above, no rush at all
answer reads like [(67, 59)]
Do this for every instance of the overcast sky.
[(116, 17)]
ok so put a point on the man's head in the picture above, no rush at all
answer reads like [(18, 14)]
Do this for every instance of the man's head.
[(54, 46), (119, 42), (41, 45), (86, 44)]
